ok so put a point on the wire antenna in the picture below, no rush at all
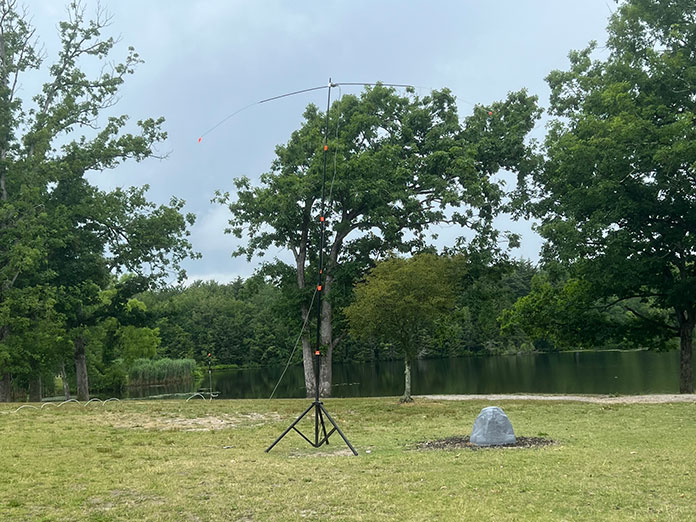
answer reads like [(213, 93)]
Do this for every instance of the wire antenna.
[(293, 93)]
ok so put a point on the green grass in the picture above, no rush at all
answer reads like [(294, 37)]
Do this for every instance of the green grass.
[(144, 461)]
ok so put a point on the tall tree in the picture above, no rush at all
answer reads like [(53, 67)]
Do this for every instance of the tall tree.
[(399, 302), (57, 229), (100, 234), (616, 194), (402, 163)]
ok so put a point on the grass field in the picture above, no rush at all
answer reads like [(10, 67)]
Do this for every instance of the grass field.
[(171, 460)]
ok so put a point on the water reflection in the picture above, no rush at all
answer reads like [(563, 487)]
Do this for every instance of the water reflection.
[(141, 392), (609, 372)]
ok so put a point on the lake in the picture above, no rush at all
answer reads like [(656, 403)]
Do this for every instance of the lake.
[(604, 372)]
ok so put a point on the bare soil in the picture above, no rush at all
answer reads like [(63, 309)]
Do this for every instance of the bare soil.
[(464, 443)]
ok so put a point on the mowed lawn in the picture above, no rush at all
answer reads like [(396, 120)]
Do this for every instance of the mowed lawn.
[(203, 460)]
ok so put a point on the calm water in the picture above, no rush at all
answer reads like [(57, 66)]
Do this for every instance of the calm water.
[(571, 372)]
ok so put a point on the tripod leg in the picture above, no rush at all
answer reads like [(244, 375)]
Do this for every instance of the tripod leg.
[(323, 427), (338, 429), (291, 427), (317, 413)]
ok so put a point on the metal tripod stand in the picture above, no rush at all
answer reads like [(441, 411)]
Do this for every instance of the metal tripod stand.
[(321, 436)]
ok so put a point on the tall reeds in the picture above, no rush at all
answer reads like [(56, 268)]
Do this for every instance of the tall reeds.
[(146, 372)]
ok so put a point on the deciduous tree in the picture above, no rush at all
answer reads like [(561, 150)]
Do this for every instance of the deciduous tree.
[(402, 164), (616, 195), (57, 229), (399, 302)]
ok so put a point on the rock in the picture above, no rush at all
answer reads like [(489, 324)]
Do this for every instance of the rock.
[(492, 428)]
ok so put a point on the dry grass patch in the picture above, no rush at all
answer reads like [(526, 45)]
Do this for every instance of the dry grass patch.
[(165, 422)]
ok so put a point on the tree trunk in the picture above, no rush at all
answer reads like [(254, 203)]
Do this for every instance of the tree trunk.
[(300, 258), (325, 375), (308, 363), (5, 387), (325, 334), (326, 316), (35, 388), (407, 381), (325, 370), (686, 371), (81, 369), (326, 329), (66, 384), (307, 357), (307, 352)]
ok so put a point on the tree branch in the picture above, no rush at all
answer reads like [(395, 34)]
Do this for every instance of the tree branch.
[(650, 320)]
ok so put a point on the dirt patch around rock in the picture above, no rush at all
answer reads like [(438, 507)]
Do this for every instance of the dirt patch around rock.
[(451, 443)]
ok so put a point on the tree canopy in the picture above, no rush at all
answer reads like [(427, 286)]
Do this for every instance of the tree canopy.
[(616, 192), (402, 163)]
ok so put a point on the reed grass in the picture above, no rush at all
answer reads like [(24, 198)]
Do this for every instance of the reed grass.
[(145, 372)]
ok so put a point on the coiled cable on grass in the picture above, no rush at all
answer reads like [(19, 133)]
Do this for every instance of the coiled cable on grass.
[(199, 394), (69, 400), (25, 406), (31, 406)]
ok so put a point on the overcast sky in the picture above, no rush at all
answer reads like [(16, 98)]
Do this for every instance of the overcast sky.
[(205, 59)]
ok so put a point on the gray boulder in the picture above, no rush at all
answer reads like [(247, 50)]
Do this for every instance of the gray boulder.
[(492, 428)]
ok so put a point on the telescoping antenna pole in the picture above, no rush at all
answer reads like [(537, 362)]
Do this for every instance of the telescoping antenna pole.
[(321, 436)]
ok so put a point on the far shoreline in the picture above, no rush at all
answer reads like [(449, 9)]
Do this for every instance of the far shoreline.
[(654, 398)]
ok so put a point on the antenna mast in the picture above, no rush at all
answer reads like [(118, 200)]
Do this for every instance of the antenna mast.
[(317, 405)]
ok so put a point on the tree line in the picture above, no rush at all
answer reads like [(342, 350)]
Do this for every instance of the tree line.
[(83, 271), (253, 322)]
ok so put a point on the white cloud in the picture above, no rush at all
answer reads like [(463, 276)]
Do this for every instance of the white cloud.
[(208, 232), (220, 277)]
